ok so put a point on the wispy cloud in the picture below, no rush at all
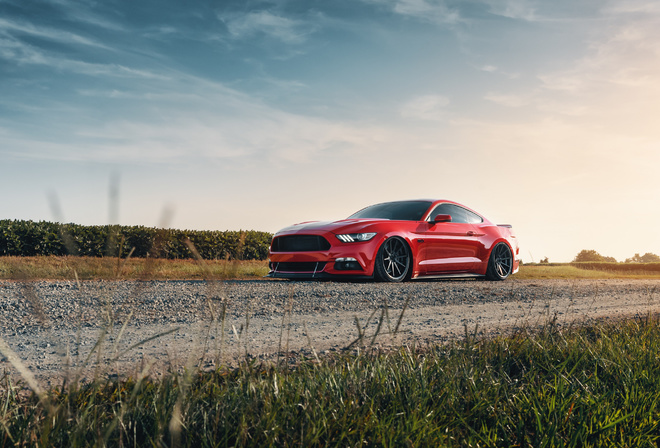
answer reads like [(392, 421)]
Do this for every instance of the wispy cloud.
[(435, 11), (514, 9), (19, 27), (21, 53), (498, 70), (255, 23), (271, 137), (426, 108), (427, 10), (212, 122), (83, 12), (626, 56), (633, 6), (507, 100)]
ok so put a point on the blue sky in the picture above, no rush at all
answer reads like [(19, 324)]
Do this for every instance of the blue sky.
[(255, 115)]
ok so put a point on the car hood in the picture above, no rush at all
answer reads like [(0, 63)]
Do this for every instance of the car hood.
[(337, 227)]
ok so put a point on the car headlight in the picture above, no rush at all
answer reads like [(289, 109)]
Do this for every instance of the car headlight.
[(356, 237)]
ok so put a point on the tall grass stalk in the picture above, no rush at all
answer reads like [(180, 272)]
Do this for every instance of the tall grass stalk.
[(585, 386)]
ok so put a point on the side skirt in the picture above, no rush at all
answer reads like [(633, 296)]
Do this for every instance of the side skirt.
[(465, 275)]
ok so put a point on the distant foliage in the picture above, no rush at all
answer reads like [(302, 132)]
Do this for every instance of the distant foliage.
[(624, 268), (29, 238), (592, 256), (646, 258)]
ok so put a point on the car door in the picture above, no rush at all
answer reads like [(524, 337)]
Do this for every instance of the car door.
[(448, 247)]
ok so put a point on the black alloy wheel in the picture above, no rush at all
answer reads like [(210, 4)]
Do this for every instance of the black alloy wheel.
[(393, 262), (500, 262)]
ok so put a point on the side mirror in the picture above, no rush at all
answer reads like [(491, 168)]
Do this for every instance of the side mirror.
[(441, 218)]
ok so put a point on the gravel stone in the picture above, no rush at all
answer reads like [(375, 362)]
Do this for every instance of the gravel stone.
[(52, 325)]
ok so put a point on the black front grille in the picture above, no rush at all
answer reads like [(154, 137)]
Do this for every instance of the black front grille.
[(299, 243), (304, 266)]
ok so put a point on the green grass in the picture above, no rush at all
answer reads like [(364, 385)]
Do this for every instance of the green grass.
[(591, 386)]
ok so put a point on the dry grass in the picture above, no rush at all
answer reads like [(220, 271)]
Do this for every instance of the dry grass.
[(566, 271), (587, 386), (90, 268)]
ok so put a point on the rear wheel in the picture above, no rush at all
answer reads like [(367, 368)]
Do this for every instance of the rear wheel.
[(500, 262), (393, 261)]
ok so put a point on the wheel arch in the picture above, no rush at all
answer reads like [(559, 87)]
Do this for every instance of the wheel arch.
[(411, 252), (489, 272), (412, 248)]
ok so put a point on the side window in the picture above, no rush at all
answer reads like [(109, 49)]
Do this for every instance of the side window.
[(442, 209), (458, 214), (473, 218)]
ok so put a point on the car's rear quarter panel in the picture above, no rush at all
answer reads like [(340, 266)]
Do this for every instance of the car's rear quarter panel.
[(492, 235)]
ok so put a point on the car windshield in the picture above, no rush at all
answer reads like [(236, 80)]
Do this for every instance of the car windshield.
[(401, 211)]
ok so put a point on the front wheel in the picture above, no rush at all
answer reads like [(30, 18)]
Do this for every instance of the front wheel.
[(393, 261), (500, 262)]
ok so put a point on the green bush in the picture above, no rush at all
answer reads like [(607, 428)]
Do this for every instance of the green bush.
[(29, 238)]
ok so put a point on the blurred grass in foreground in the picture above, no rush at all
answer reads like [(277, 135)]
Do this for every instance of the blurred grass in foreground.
[(93, 268), (585, 387)]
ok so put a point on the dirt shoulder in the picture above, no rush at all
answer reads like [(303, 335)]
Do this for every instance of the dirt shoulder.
[(108, 328)]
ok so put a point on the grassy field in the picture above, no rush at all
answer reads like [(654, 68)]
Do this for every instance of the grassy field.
[(584, 387), (571, 271), (90, 268)]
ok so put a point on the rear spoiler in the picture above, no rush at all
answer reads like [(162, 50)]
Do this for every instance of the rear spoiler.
[(508, 226)]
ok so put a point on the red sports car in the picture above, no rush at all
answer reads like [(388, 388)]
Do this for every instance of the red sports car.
[(397, 241)]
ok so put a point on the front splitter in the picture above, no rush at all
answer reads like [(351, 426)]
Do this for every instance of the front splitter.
[(315, 276)]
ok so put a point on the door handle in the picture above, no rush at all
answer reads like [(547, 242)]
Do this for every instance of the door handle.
[(470, 233)]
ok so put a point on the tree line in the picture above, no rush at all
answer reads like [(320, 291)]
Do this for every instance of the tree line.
[(591, 256)]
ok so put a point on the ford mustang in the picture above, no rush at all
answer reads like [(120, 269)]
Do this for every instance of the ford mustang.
[(397, 241)]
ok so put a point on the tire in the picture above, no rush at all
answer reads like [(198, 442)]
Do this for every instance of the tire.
[(500, 263), (393, 261)]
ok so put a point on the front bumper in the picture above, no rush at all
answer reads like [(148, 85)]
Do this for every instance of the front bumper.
[(326, 263)]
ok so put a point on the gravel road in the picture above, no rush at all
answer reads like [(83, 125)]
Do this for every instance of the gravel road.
[(115, 328)]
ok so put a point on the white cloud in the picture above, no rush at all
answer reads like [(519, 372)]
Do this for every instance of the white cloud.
[(423, 9), (624, 53), (498, 70), (616, 84), (435, 11), (507, 100), (427, 108), (633, 6), (22, 53), (8, 27), (514, 9), (257, 22), (190, 119), (82, 11)]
